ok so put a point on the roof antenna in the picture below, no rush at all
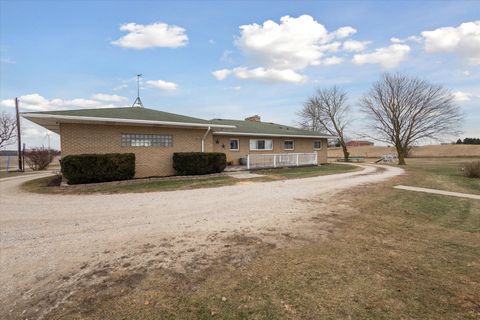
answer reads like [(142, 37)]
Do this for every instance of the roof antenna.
[(138, 101)]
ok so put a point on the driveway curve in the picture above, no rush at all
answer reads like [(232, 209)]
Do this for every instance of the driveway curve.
[(47, 237)]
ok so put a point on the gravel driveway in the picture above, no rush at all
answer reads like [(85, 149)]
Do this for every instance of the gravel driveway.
[(49, 241)]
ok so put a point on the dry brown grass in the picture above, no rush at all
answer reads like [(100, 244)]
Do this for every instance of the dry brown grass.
[(401, 255), (454, 150)]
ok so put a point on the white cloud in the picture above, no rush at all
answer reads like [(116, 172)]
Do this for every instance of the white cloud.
[(279, 51), (463, 40), (355, 46), (162, 85), (221, 74), (344, 32), (36, 102), (461, 96), (32, 132), (271, 75), (158, 34), (294, 43), (388, 57), (332, 60), (466, 73), (108, 97)]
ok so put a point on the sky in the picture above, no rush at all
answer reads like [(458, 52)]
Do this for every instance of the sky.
[(230, 59)]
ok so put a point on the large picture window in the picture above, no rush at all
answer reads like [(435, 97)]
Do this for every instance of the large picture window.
[(261, 144), (147, 140)]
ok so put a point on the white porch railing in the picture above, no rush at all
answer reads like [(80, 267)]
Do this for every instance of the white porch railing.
[(276, 160)]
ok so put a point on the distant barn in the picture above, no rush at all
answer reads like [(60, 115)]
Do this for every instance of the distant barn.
[(359, 143)]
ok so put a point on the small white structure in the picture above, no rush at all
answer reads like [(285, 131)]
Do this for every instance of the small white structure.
[(389, 158), (278, 160)]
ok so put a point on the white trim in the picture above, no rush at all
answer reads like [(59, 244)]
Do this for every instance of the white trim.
[(238, 144), (118, 120), (293, 141), (226, 133), (250, 145)]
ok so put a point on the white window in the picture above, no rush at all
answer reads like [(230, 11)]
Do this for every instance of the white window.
[(261, 144), (147, 140), (288, 145), (317, 145), (234, 144)]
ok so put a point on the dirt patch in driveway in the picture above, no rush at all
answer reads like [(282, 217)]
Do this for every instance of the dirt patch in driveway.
[(56, 250)]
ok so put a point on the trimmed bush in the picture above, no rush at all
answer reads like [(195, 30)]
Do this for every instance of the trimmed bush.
[(90, 168), (472, 169), (195, 163)]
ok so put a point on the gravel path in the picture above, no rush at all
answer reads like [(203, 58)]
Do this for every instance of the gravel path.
[(48, 240)]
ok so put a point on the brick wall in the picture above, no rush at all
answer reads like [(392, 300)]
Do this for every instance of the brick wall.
[(302, 145), (150, 161), (157, 161)]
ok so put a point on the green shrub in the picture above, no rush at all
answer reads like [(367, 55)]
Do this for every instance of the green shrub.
[(195, 163), (90, 168), (472, 169)]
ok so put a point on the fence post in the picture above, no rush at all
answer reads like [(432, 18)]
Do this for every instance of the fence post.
[(297, 159), (248, 162), (316, 158), (274, 160)]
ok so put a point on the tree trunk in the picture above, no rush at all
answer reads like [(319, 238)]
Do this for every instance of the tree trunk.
[(402, 154), (346, 154)]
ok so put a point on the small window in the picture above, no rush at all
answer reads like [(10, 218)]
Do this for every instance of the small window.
[(147, 140), (317, 145), (234, 144), (260, 144), (288, 145)]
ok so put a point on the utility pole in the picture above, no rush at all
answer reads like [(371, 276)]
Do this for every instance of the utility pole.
[(19, 137)]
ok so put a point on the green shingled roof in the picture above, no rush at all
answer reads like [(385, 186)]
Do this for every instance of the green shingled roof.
[(126, 113), (256, 127)]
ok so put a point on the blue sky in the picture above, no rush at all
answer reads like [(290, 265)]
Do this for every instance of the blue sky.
[(197, 60)]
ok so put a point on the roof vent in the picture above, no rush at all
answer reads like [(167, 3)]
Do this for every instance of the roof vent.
[(255, 118)]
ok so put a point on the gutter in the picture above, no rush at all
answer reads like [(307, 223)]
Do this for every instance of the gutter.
[(228, 133), (203, 139), (127, 121)]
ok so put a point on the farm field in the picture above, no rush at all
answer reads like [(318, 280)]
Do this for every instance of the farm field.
[(389, 254), (362, 251), (455, 150)]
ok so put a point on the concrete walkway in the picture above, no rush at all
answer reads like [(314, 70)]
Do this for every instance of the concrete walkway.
[(442, 192), (244, 175)]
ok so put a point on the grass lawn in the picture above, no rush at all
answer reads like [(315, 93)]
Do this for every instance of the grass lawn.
[(402, 255), (5, 174), (41, 185)]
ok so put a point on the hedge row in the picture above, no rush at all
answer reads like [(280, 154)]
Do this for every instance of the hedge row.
[(194, 163), (90, 168)]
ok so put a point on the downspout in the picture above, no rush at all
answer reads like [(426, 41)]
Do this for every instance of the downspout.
[(203, 139)]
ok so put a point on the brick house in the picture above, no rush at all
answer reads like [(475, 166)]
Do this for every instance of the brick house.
[(153, 136)]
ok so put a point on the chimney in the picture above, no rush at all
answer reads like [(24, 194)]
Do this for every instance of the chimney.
[(255, 118)]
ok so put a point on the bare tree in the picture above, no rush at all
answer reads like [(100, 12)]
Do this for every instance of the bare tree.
[(327, 110), (403, 111), (8, 126)]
